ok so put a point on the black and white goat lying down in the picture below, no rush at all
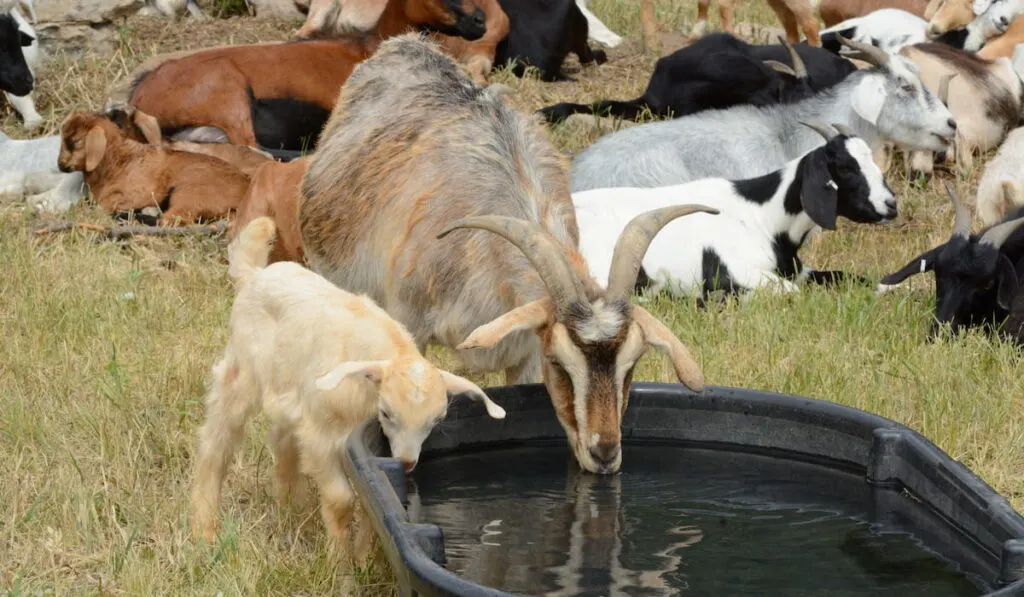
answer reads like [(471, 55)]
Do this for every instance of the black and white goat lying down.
[(762, 223)]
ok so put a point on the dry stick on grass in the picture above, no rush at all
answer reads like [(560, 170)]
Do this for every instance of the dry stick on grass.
[(124, 231), (649, 27)]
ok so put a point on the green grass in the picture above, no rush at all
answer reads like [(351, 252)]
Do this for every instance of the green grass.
[(107, 350)]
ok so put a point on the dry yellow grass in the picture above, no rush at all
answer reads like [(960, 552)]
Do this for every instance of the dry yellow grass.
[(107, 349)]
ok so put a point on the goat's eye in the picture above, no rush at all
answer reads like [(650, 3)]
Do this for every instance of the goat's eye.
[(989, 284), (385, 415), (907, 88)]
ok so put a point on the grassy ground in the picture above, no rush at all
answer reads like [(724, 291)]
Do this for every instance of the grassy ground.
[(107, 349)]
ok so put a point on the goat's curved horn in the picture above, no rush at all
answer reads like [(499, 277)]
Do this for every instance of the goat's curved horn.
[(962, 223), (944, 87), (821, 129), (782, 68), (868, 52), (998, 234), (633, 242), (842, 129), (799, 68), (540, 248)]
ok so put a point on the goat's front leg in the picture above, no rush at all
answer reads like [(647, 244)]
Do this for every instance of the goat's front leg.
[(701, 26), (787, 18), (726, 10), (27, 108)]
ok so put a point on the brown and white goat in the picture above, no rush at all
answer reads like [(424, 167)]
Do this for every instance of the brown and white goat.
[(141, 127), (128, 176), (274, 192), (833, 12), (319, 361), (795, 15), (338, 16), (984, 97), (448, 154), (223, 87)]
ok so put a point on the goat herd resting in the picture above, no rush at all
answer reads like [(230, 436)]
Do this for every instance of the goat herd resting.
[(382, 198)]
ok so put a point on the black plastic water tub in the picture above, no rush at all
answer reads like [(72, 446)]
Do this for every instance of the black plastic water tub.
[(908, 483)]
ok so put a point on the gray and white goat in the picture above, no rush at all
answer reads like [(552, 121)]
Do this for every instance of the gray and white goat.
[(884, 104), (761, 225), (515, 294), (28, 167)]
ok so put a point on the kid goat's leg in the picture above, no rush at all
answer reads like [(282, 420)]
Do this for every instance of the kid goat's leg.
[(231, 400), (291, 484)]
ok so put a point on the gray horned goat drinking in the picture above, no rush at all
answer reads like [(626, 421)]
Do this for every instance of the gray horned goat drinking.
[(512, 292)]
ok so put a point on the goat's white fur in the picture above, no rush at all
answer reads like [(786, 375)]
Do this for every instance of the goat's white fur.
[(888, 28), (742, 235), (999, 189), (319, 361), (29, 168), (596, 30)]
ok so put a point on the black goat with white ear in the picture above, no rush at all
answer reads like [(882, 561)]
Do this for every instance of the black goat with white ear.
[(977, 276), (762, 223)]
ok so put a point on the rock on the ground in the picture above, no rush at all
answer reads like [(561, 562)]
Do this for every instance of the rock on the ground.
[(86, 11), (276, 8)]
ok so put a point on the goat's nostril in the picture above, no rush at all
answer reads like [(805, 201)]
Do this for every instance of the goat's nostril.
[(951, 123), (605, 453), (1004, 22), (891, 204)]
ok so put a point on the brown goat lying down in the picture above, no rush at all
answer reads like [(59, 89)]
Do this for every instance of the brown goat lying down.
[(128, 176), (139, 126), (278, 95), (274, 191)]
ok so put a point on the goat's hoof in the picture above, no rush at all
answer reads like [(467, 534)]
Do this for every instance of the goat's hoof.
[(31, 125), (600, 56)]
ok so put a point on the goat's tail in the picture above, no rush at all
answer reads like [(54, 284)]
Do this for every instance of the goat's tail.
[(250, 251)]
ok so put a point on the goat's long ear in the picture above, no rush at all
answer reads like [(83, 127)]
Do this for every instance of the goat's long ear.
[(868, 98), (95, 147), (663, 340), (149, 127), (371, 370), (528, 317), (925, 262), (819, 193), (461, 385), (1008, 282)]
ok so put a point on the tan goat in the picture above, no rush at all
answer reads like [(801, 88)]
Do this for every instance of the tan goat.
[(274, 192), (984, 97), (128, 176), (318, 361), (445, 151)]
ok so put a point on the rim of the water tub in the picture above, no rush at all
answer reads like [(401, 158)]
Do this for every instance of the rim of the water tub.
[(892, 456)]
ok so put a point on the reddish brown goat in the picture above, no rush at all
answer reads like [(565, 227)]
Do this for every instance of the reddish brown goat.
[(274, 192), (833, 12), (225, 87), (128, 176)]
